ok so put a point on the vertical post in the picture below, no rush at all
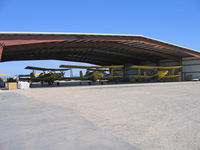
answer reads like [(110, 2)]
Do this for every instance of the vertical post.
[(112, 72), (1, 50), (173, 71), (139, 71), (181, 70), (124, 73), (71, 72)]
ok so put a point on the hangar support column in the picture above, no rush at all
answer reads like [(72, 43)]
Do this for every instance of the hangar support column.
[(1, 50), (181, 69), (125, 73)]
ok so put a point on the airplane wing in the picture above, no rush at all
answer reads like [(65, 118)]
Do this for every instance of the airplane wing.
[(78, 67), (6, 75), (155, 67), (44, 69), (113, 67), (90, 67)]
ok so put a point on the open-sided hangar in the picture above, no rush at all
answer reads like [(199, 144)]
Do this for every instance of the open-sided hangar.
[(99, 49)]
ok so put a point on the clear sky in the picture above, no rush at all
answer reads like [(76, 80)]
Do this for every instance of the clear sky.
[(174, 21)]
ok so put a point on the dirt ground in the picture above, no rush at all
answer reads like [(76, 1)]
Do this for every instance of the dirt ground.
[(152, 116)]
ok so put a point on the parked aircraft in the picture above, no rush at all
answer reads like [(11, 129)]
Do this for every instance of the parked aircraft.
[(156, 73), (95, 73), (48, 75)]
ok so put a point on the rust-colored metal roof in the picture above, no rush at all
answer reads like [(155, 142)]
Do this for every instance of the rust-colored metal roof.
[(100, 49)]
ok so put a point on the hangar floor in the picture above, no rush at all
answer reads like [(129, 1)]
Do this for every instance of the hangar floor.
[(129, 116)]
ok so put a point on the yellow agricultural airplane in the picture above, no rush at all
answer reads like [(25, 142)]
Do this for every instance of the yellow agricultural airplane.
[(95, 73), (48, 77), (157, 72)]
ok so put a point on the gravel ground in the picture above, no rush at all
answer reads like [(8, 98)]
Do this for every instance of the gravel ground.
[(29, 124), (153, 116)]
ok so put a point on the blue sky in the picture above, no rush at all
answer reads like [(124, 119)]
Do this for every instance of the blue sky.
[(174, 21)]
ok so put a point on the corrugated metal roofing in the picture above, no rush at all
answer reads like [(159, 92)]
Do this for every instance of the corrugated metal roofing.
[(101, 49)]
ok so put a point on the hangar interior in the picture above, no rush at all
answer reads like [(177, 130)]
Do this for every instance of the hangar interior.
[(99, 49)]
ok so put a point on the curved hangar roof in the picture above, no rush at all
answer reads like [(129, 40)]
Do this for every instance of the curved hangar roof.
[(100, 49)]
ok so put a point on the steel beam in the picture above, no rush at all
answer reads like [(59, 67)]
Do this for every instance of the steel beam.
[(90, 44), (120, 45), (167, 46), (13, 39), (114, 52), (1, 50)]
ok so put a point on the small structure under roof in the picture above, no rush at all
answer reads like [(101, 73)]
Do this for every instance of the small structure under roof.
[(99, 49)]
